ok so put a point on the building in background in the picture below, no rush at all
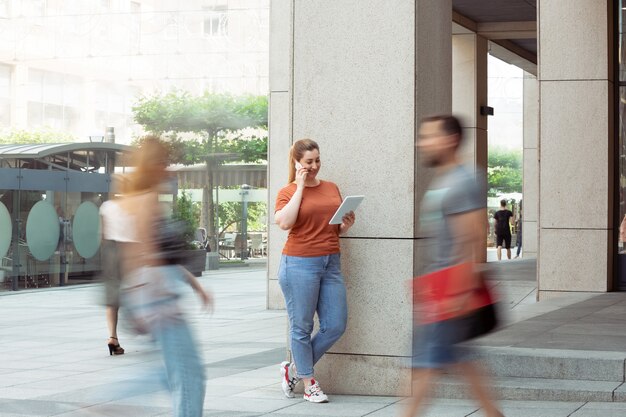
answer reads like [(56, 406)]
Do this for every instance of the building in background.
[(77, 66)]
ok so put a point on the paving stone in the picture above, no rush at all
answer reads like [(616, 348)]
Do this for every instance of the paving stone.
[(437, 410), (533, 389), (554, 364), (35, 407), (242, 344), (538, 408), (332, 408), (601, 410), (258, 405), (102, 410)]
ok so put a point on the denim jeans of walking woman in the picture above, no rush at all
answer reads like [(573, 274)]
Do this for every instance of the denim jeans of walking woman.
[(184, 368), (151, 297), (310, 285)]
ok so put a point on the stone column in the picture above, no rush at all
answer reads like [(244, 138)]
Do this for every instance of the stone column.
[(280, 139), (363, 75), (576, 245), (469, 93), (531, 166)]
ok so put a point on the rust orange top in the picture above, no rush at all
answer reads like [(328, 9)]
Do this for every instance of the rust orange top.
[(311, 235)]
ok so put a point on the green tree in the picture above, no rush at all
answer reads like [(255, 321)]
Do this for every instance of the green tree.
[(208, 129), (230, 214), (23, 136), (189, 213), (504, 171)]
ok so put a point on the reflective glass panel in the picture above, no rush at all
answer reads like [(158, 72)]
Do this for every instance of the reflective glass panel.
[(42, 230), (6, 230), (86, 229)]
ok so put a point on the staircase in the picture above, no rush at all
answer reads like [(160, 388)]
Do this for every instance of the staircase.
[(546, 375)]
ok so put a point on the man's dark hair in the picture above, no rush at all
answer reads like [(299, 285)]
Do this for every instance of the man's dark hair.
[(502, 203), (451, 124)]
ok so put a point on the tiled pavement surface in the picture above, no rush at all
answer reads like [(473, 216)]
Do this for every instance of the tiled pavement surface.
[(54, 361)]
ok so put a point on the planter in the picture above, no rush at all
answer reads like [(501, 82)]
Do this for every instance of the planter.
[(194, 260), (212, 261)]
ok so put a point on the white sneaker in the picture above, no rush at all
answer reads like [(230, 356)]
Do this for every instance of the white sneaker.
[(315, 394), (289, 380)]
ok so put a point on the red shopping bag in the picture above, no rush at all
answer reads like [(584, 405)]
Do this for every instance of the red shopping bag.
[(449, 293)]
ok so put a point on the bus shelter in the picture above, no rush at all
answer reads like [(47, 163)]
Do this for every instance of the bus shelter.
[(50, 196)]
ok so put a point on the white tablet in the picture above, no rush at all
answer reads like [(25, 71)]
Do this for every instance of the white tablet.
[(350, 203)]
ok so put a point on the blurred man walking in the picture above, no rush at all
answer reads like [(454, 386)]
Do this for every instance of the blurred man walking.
[(452, 219)]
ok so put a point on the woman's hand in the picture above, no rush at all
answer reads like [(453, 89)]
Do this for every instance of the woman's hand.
[(207, 299), (301, 177), (346, 222)]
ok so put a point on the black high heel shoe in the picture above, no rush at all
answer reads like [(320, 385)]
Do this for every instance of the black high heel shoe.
[(115, 349)]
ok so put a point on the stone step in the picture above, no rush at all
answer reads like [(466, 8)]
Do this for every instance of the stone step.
[(554, 363), (536, 389)]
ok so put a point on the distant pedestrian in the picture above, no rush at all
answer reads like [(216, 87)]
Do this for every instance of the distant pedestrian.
[(518, 239), (503, 220), (452, 222), (309, 273), (622, 234), (113, 233)]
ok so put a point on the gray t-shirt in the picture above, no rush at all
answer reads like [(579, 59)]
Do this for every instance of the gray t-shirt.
[(454, 192)]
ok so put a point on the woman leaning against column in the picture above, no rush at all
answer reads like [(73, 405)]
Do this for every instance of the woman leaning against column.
[(310, 274)]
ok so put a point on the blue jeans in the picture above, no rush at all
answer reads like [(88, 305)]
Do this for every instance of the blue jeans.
[(434, 346), (185, 370), (310, 285)]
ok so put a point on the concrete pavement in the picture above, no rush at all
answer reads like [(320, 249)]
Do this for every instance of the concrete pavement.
[(54, 361)]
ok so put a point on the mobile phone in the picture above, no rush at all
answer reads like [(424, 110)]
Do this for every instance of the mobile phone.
[(298, 165)]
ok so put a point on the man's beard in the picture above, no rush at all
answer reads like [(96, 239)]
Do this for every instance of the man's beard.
[(433, 162)]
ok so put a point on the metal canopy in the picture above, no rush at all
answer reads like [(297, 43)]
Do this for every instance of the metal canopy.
[(42, 150), (195, 176)]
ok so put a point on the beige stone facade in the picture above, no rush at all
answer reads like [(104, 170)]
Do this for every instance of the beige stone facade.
[(358, 82), (576, 145)]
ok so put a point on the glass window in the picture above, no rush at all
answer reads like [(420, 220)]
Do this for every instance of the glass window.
[(5, 81), (72, 91), (5, 95), (5, 9), (6, 230), (53, 88), (135, 24), (53, 116), (42, 230), (33, 8), (86, 229), (171, 27), (35, 85), (215, 21), (5, 112), (54, 100), (35, 114)]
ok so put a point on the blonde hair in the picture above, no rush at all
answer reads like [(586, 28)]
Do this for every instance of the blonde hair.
[(296, 153), (149, 160), (119, 185)]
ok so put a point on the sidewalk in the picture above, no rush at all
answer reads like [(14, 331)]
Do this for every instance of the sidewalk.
[(54, 360)]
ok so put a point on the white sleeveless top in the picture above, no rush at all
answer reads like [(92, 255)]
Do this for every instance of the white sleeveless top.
[(118, 225)]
